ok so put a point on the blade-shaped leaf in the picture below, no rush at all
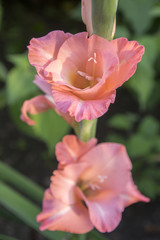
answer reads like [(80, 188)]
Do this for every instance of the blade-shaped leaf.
[(21, 182), (5, 237), (24, 209)]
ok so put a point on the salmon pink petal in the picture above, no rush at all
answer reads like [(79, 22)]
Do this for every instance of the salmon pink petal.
[(110, 166), (132, 195), (71, 149), (105, 211), (75, 49), (58, 216), (63, 185), (64, 71), (129, 54), (89, 109), (43, 85), (43, 50), (35, 105)]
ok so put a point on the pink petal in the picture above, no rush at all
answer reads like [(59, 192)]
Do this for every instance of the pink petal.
[(43, 85), (105, 211), (74, 49), (129, 53), (41, 104), (111, 161), (35, 105), (87, 109), (71, 149), (132, 195), (59, 216), (45, 49), (63, 185)]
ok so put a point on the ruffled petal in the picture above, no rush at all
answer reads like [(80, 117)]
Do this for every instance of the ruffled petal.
[(35, 105), (62, 217), (71, 149), (129, 54), (87, 109), (43, 50)]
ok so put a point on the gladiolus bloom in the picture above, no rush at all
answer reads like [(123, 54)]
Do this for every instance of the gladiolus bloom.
[(84, 73), (90, 189)]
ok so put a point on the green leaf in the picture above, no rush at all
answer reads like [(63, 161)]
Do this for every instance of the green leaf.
[(75, 13), (142, 83), (94, 235), (149, 127), (155, 11), (2, 98), (24, 209), (138, 145), (137, 13), (50, 128), (113, 137), (122, 31), (123, 121), (4, 237), (21, 182), (20, 79), (3, 72)]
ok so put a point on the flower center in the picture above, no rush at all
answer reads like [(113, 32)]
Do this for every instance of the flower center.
[(90, 187), (87, 78)]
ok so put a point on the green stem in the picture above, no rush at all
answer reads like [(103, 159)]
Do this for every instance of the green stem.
[(85, 130), (103, 17)]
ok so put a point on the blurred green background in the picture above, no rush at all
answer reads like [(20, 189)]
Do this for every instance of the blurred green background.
[(134, 119)]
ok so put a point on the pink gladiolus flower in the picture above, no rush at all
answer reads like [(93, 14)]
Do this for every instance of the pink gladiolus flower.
[(84, 72), (90, 189), (41, 104)]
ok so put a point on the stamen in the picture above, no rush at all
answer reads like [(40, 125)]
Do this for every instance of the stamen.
[(102, 178), (93, 58), (94, 186), (87, 77), (82, 74)]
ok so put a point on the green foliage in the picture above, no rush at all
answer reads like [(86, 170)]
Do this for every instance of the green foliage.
[(75, 13), (28, 187), (137, 13), (3, 72), (143, 81), (123, 121), (24, 209), (4, 237), (20, 79), (49, 126)]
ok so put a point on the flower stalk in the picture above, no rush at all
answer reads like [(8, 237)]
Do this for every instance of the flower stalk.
[(103, 17), (85, 130)]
